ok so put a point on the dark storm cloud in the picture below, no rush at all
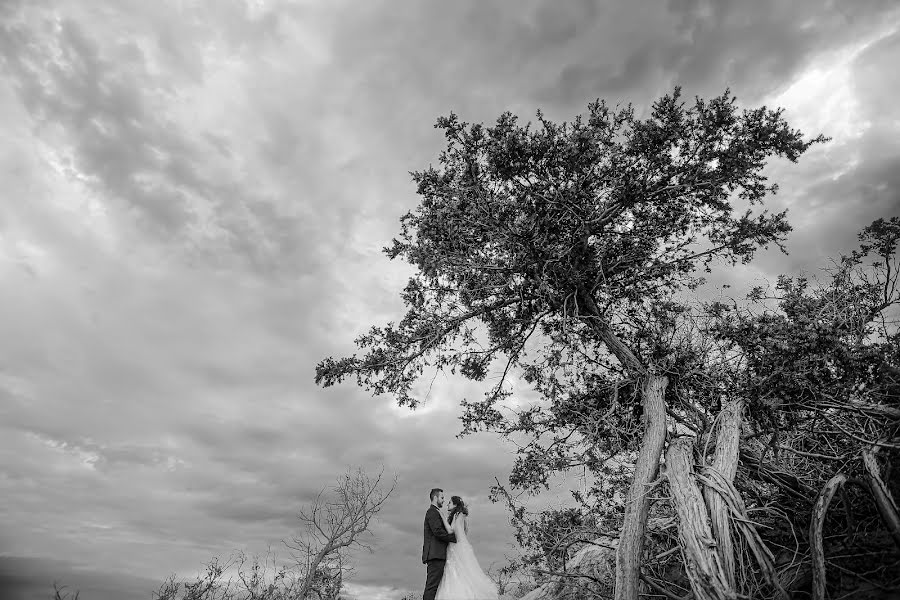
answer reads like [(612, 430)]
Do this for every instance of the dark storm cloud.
[(482, 58), (853, 179), (102, 101), (118, 138), (706, 46), (20, 579), (203, 198)]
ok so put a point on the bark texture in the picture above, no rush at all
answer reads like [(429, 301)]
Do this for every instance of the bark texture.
[(637, 503), (788, 483), (743, 525), (725, 462), (702, 563), (816, 544), (887, 506)]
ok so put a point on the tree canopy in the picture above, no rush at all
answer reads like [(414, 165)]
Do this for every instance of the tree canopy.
[(562, 229)]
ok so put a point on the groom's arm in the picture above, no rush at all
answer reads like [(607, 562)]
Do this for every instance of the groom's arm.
[(436, 525)]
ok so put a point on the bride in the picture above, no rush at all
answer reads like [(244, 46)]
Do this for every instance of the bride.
[(463, 578)]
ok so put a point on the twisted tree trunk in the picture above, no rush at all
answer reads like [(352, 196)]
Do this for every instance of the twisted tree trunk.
[(637, 502), (725, 461), (887, 507), (741, 523), (816, 544), (786, 482), (708, 547), (702, 563), (646, 469)]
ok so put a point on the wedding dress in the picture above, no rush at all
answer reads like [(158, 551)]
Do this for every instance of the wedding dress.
[(463, 578)]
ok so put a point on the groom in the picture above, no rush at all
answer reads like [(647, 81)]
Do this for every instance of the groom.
[(434, 549)]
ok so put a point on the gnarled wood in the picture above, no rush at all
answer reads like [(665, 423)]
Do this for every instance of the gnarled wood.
[(788, 483), (816, 544), (887, 506), (637, 503), (725, 489), (725, 462), (879, 410), (701, 558), (593, 316)]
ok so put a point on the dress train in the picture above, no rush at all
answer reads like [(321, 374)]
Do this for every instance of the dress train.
[(463, 578)]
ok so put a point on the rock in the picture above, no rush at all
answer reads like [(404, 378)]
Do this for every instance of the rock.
[(597, 560)]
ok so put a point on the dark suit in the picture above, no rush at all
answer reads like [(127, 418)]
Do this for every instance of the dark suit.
[(434, 550)]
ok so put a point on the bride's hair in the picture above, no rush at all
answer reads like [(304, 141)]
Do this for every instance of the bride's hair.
[(458, 507)]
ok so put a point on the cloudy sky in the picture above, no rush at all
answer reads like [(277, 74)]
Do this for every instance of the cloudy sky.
[(194, 198)]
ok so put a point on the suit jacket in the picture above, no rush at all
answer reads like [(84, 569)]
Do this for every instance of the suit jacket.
[(436, 536)]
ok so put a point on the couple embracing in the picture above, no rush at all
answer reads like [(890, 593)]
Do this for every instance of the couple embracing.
[(453, 571)]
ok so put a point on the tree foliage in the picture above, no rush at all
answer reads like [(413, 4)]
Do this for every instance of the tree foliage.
[(527, 230), (556, 250)]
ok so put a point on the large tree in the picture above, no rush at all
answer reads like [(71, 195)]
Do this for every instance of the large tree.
[(545, 249)]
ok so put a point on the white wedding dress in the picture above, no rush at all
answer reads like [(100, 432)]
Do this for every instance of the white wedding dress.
[(463, 578)]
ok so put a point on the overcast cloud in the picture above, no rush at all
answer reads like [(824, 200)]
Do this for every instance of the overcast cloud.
[(195, 195)]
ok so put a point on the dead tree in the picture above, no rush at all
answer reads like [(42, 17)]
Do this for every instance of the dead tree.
[(336, 522)]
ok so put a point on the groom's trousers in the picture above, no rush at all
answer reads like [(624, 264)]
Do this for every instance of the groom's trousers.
[(433, 577)]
